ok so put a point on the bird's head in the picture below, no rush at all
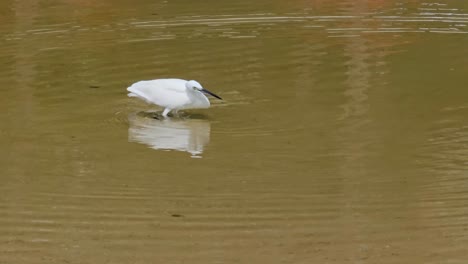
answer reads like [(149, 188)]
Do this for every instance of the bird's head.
[(196, 86)]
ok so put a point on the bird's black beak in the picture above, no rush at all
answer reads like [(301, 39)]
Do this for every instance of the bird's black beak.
[(210, 93)]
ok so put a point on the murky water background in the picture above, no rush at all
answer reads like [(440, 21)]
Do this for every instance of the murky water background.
[(343, 137)]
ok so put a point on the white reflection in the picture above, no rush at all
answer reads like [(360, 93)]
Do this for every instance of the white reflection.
[(190, 135)]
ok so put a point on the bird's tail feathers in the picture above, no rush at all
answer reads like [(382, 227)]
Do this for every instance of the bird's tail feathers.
[(134, 91)]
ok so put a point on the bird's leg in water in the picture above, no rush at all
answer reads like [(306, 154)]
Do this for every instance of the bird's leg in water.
[(166, 111)]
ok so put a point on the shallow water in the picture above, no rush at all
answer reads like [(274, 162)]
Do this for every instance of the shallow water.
[(343, 136)]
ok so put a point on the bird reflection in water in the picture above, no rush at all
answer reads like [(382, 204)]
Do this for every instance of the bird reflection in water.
[(189, 135)]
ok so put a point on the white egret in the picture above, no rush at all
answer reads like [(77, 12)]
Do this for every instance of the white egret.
[(172, 94)]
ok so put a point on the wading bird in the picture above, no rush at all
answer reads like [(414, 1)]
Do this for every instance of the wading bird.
[(172, 94)]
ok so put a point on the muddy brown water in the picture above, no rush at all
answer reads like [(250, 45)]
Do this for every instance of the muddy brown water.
[(343, 137)]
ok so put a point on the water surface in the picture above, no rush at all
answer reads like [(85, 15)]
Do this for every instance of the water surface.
[(343, 136)]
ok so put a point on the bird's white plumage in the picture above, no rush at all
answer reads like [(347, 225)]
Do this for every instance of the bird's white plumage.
[(172, 94)]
